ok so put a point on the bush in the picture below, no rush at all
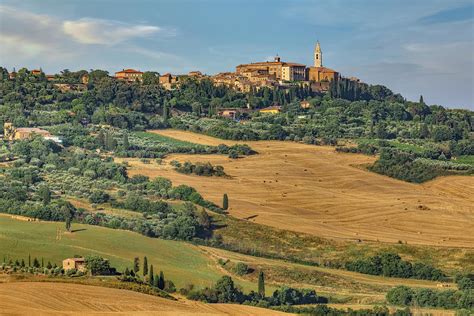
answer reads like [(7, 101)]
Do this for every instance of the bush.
[(241, 269), (98, 197)]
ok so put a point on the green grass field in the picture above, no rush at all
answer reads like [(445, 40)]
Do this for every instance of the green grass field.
[(181, 262), (164, 139)]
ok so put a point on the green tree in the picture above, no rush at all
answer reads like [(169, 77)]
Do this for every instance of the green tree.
[(161, 281), (225, 202), (400, 295), (45, 194), (261, 284), (68, 210), (29, 260), (151, 276), (126, 143), (136, 265), (98, 265), (145, 266), (36, 263)]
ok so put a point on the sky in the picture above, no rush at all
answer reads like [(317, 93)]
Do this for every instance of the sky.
[(414, 47)]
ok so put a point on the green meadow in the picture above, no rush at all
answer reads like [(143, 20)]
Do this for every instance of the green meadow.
[(181, 262)]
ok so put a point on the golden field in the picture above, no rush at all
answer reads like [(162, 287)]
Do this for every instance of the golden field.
[(42, 298), (315, 190)]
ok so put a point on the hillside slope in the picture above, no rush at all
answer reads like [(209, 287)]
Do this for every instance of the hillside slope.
[(313, 189)]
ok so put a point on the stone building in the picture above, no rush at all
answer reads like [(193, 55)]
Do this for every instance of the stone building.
[(12, 133), (74, 263), (319, 73), (273, 70), (129, 75)]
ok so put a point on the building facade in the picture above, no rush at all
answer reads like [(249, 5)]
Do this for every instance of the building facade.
[(78, 264), (129, 75)]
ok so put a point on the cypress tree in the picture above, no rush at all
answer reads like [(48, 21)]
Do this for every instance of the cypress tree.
[(22, 263), (145, 266), (225, 202), (29, 260), (421, 100), (127, 272), (101, 139), (126, 143), (161, 282), (156, 281), (136, 265), (151, 276), (261, 284)]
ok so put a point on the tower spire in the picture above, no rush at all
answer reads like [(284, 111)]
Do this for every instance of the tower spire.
[(318, 55)]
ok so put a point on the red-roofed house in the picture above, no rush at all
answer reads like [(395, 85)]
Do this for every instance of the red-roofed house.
[(129, 75)]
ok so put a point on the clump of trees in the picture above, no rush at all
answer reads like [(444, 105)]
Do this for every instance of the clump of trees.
[(391, 265), (450, 299), (225, 291), (199, 168)]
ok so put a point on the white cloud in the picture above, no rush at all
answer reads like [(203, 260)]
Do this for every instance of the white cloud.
[(28, 38), (105, 32)]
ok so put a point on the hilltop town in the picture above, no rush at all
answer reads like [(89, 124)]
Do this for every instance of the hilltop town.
[(271, 74)]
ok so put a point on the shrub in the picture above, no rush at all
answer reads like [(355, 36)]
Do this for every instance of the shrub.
[(241, 268)]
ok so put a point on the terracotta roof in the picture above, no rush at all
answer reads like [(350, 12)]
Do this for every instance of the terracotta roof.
[(76, 259), (294, 64), (32, 130), (273, 107), (129, 71)]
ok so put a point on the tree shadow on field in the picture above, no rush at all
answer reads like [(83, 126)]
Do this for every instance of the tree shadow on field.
[(78, 230)]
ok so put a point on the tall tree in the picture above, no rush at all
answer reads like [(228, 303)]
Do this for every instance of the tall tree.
[(145, 266), (101, 139), (68, 210), (225, 202), (29, 260), (126, 143), (45, 194), (151, 276), (161, 281), (136, 265), (261, 284)]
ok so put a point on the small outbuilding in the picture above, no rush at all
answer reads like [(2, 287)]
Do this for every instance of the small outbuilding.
[(74, 263)]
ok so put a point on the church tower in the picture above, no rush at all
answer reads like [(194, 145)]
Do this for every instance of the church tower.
[(318, 56)]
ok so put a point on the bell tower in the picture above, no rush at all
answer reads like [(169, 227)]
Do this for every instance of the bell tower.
[(318, 56)]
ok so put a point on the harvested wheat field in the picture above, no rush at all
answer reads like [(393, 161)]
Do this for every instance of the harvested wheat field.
[(315, 190), (41, 298)]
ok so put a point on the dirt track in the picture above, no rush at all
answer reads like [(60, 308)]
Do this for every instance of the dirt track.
[(315, 190), (41, 298)]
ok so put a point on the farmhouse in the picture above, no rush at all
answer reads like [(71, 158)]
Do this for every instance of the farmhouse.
[(232, 113), (305, 104), (11, 133), (275, 109), (74, 263)]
